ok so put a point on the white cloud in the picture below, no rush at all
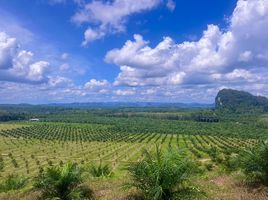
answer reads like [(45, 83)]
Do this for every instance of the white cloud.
[(171, 5), (18, 65), (227, 56), (91, 35), (239, 76), (125, 92), (37, 70), (64, 56), (95, 84), (59, 81), (64, 67), (176, 78), (109, 17), (245, 56), (8, 48), (241, 73)]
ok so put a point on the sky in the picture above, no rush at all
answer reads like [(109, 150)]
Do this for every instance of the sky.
[(63, 51)]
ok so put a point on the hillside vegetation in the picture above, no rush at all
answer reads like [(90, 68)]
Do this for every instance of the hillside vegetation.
[(240, 102)]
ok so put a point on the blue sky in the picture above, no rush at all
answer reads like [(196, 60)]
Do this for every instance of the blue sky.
[(123, 50)]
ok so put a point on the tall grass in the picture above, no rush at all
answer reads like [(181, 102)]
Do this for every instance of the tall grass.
[(162, 175)]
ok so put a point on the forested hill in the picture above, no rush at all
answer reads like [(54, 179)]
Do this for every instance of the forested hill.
[(240, 101)]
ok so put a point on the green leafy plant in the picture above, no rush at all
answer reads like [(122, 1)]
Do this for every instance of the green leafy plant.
[(13, 182), (62, 183), (254, 163), (162, 175), (101, 170)]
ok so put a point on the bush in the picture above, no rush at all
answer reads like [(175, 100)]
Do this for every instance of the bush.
[(254, 163), (62, 183), (100, 170), (161, 175), (13, 182)]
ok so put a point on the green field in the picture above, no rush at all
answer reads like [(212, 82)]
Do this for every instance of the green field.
[(26, 149), (116, 139)]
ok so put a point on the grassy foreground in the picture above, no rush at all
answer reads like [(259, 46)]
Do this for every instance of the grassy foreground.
[(213, 186)]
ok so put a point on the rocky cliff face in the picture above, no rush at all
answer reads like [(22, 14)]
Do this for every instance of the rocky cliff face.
[(240, 101)]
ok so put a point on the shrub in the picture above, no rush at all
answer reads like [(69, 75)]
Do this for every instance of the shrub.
[(13, 182), (162, 175), (100, 170), (62, 183), (254, 163)]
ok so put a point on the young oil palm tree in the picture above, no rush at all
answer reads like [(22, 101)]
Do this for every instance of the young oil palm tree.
[(2, 165), (13, 182), (161, 175), (254, 163), (101, 170), (63, 183)]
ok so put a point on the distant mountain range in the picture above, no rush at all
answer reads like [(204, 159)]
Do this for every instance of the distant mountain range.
[(240, 101), (114, 105), (132, 104), (226, 99)]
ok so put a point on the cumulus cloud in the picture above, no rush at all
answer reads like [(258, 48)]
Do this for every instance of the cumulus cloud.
[(95, 84), (109, 17), (18, 65), (8, 48), (91, 35), (220, 56), (37, 70), (120, 92), (60, 82)]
